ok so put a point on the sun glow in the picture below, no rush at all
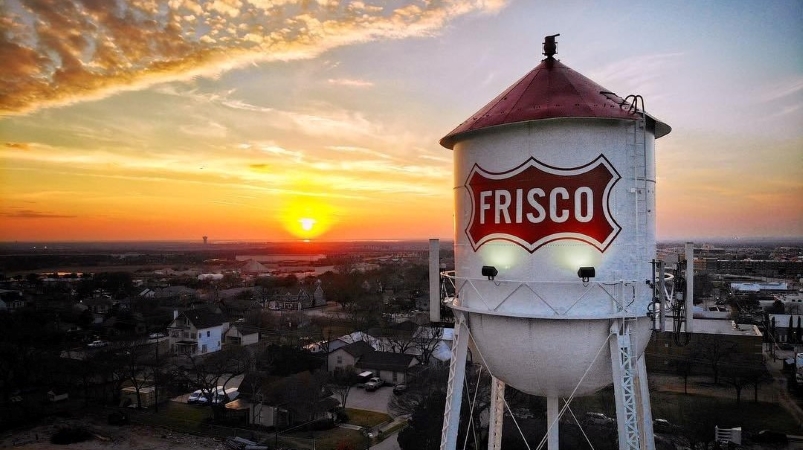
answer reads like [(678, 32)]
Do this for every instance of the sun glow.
[(307, 223), (307, 219)]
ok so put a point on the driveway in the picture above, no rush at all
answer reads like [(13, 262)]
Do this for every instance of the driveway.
[(359, 398)]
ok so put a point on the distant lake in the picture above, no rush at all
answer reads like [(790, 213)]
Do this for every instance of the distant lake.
[(277, 258)]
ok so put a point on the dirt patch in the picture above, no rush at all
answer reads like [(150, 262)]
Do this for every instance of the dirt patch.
[(104, 436)]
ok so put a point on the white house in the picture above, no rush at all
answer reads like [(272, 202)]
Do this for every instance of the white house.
[(196, 331), (346, 357), (239, 334)]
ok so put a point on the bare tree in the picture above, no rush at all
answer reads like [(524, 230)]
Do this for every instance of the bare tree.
[(207, 372), (714, 351), (426, 340), (683, 367), (341, 382)]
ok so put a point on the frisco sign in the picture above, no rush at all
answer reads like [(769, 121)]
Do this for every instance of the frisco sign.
[(534, 204)]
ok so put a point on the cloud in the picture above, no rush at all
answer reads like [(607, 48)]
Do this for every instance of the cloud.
[(642, 73), (18, 145), (58, 52), (31, 214), (783, 90), (365, 151), (350, 83)]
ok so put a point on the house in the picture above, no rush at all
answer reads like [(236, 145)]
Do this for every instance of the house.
[(240, 334), (281, 402), (347, 356), (392, 368), (124, 325), (196, 331), (297, 300), (11, 299)]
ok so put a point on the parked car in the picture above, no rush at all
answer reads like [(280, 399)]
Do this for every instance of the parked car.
[(662, 426), (374, 384), (97, 344), (597, 418), (399, 388), (226, 396), (769, 436), (196, 397)]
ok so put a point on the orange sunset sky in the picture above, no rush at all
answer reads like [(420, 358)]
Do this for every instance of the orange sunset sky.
[(275, 120)]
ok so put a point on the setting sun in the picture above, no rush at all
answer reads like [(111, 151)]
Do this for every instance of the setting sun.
[(307, 224), (305, 218)]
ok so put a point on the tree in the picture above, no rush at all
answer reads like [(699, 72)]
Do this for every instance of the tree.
[(207, 372), (426, 340), (284, 360), (683, 367), (713, 350), (703, 286), (776, 307), (799, 331), (424, 430), (341, 382), (425, 400)]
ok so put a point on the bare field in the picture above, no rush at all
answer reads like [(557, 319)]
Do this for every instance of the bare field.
[(128, 437)]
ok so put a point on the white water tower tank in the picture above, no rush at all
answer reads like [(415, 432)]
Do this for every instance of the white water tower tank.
[(555, 174)]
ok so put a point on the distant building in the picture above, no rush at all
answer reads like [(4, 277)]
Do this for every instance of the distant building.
[(765, 268), (763, 287)]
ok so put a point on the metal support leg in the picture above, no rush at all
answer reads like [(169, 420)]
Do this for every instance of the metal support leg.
[(454, 387), (624, 386), (553, 422), (647, 434), (497, 414)]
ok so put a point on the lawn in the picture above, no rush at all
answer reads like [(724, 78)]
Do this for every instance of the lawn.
[(324, 440), (368, 419), (688, 410), (682, 409), (177, 416)]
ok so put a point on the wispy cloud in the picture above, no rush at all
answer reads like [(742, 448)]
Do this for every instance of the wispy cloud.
[(350, 82), (365, 151), (17, 145), (784, 90), (31, 214), (642, 73), (57, 52)]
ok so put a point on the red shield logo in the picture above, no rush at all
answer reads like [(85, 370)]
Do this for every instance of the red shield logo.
[(534, 204)]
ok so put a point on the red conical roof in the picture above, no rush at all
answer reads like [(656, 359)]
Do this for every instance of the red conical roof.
[(549, 91)]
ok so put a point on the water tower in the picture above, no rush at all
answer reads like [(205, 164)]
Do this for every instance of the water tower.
[(554, 244)]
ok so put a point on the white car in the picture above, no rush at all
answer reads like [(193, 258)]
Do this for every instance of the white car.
[(374, 384), (196, 397), (97, 344)]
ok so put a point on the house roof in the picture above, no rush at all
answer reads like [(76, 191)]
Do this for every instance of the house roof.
[(243, 329), (357, 349), (203, 318), (336, 344), (397, 362), (253, 266)]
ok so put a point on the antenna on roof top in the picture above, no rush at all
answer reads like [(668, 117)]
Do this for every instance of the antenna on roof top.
[(550, 45)]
